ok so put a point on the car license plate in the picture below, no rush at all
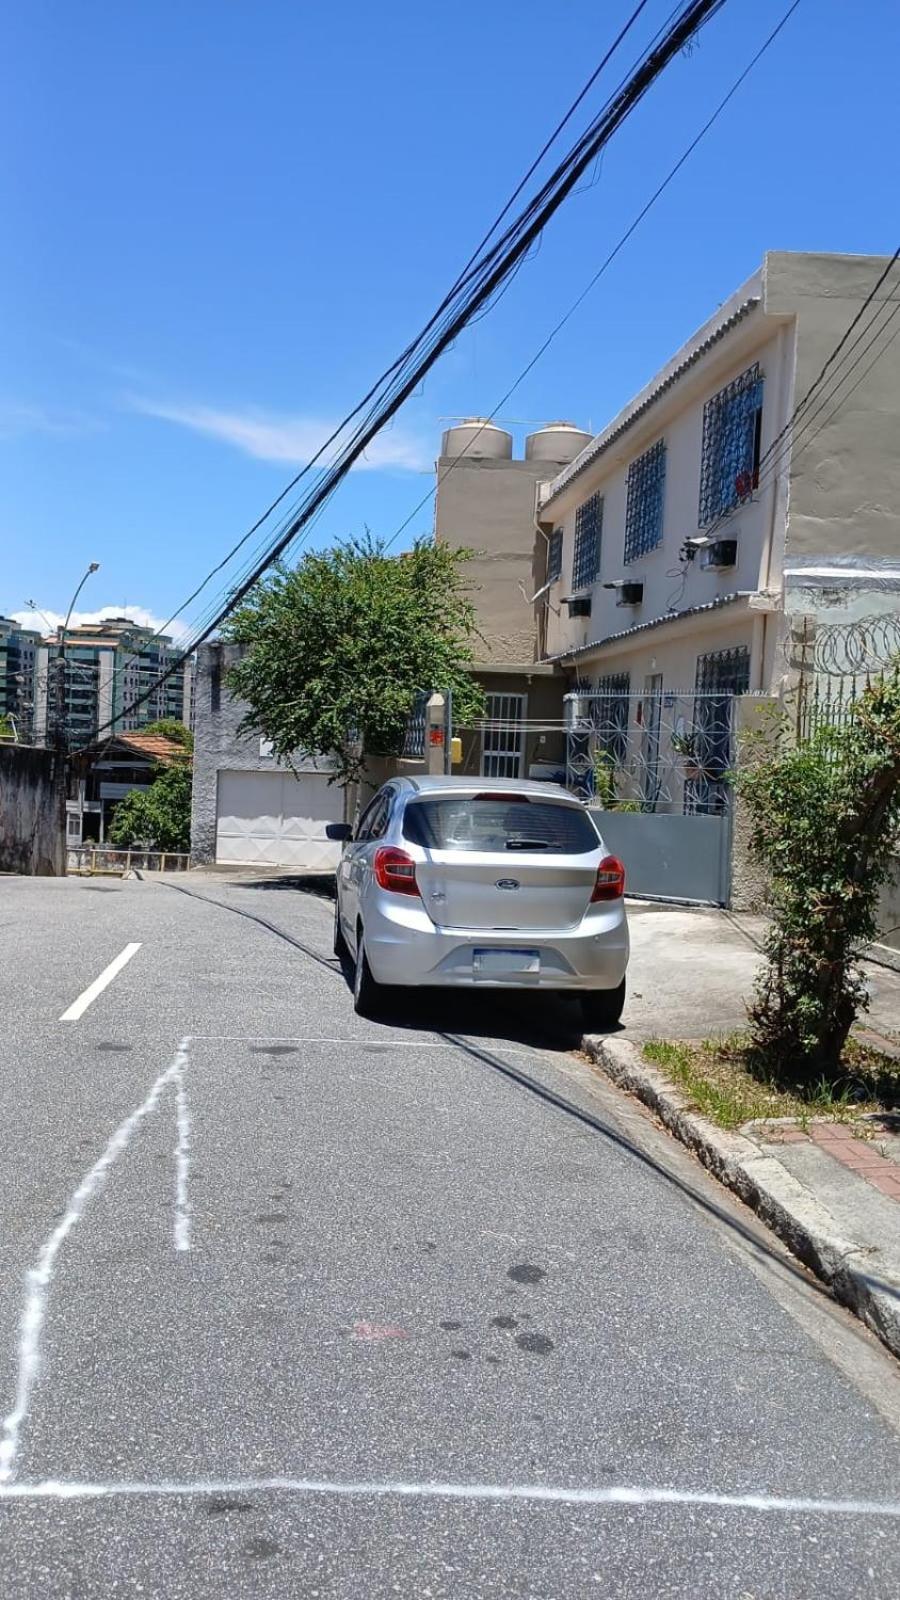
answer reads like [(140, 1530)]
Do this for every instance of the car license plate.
[(506, 963)]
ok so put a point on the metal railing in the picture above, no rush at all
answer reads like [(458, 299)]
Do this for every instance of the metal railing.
[(99, 860)]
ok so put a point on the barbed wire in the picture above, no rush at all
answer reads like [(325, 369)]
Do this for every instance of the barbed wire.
[(845, 649)]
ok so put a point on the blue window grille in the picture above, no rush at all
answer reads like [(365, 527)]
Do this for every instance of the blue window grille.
[(610, 715), (588, 529), (644, 504), (732, 429), (554, 554)]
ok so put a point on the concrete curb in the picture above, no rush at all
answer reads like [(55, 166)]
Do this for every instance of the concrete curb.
[(786, 1206)]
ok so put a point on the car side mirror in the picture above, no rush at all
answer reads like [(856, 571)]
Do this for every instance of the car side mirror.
[(338, 832)]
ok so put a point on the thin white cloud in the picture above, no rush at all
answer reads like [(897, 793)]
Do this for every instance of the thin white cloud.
[(20, 417), (145, 619), (290, 439)]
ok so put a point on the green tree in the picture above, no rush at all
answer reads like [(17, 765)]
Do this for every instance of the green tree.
[(826, 824), (337, 648), (159, 816), (172, 728)]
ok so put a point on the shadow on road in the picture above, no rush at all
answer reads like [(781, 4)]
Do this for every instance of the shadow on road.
[(320, 884), (547, 1021)]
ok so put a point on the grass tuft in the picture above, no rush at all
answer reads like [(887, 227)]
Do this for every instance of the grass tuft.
[(727, 1082)]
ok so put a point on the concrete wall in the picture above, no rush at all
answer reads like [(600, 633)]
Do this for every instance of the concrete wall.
[(488, 506), (219, 746), (845, 465), (32, 837)]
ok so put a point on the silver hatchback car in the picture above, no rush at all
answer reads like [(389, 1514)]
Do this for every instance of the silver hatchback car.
[(477, 883)]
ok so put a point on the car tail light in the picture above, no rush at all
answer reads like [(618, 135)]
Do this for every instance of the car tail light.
[(610, 883), (395, 870)]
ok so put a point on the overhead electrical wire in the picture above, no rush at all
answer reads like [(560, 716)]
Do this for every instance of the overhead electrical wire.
[(605, 264), (787, 442), (411, 347), (479, 283), (296, 540)]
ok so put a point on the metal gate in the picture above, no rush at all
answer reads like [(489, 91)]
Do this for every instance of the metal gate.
[(656, 767)]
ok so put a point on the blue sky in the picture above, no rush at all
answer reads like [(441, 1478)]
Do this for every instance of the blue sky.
[(223, 220)]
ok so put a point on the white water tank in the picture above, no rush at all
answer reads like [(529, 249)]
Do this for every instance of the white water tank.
[(477, 439), (558, 441)]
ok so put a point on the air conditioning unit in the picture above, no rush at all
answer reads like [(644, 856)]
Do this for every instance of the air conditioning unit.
[(630, 594), (579, 605), (721, 553)]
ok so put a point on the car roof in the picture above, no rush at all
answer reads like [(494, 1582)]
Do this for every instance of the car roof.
[(444, 784)]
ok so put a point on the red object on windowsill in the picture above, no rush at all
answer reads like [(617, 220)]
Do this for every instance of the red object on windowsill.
[(610, 884), (395, 870)]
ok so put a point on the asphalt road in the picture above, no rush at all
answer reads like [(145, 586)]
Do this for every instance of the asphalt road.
[(292, 1304)]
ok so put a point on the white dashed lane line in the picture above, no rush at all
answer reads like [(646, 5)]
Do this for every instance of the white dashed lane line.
[(79, 1006)]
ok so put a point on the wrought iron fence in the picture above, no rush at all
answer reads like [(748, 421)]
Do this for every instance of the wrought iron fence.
[(414, 743), (668, 751)]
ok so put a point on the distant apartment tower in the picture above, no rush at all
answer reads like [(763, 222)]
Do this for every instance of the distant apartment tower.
[(18, 660), (109, 665)]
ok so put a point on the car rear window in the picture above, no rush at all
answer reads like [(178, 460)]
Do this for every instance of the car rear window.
[(499, 822)]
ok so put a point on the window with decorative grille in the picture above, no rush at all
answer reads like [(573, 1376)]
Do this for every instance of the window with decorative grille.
[(610, 715), (732, 431), (588, 528), (644, 504), (554, 554)]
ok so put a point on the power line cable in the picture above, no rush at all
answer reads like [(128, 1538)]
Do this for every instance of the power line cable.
[(398, 363), (497, 266), (579, 300)]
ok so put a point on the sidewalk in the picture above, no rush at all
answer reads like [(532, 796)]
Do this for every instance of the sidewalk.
[(833, 1197), (692, 968)]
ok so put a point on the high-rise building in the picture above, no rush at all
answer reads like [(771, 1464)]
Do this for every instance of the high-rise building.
[(18, 658), (108, 666)]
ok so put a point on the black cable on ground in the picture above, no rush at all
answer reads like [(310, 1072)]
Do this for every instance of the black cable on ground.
[(559, 1103)]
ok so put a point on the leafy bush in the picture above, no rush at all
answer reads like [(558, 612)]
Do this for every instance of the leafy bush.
[(159, 816), (826, 824)]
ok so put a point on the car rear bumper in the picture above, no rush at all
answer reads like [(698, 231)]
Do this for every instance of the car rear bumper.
[(405, 948)]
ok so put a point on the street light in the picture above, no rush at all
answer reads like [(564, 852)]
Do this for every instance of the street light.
[(60, 695)]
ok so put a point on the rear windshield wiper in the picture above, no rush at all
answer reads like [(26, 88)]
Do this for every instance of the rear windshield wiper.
[(526, 844)]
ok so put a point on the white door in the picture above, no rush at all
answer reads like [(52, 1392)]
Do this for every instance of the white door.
[(272, 819), (504, 738)]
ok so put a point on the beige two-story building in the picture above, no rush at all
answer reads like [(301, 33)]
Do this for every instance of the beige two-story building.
[(684, 542)]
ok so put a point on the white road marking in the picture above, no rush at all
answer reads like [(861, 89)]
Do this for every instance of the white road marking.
[(609, 1495), (359, 1044), (182, 1151), (39, 1279), (79, 1006)]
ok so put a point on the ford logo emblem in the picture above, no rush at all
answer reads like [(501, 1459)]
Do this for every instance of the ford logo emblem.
[(507, 883)]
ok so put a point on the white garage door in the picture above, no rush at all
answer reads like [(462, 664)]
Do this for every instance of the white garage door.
[(272, 819)]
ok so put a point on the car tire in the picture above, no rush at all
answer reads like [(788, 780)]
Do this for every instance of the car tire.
[(602, 1008), (368, 996), (341, 949)]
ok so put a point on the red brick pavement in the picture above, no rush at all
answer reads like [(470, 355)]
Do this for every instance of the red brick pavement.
[(861, 1156)]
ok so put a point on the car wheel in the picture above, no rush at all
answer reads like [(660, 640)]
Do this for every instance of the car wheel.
[(340, 943), (368, 996), (602, 1008)]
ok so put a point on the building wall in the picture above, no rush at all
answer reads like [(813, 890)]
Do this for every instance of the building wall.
[(670, 584), (820, 538), (32, 837), (488, 506), (218, 746), (845, 464)]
